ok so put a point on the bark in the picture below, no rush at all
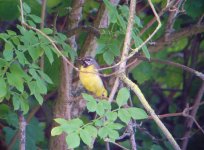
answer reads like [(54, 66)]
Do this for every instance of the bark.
[(63, 107), (101, 21)]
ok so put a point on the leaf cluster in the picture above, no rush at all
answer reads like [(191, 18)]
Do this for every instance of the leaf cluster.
[(107, 125)]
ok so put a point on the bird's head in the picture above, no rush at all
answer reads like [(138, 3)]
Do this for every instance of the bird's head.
[(87, 61)]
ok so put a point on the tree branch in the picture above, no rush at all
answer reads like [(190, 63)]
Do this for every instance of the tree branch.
[(188, 69), (101, 21), (193, 114), (43, 11), (183, 33), (132, 85), (63, 107), (22, 132)]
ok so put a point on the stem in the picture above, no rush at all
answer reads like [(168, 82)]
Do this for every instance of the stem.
[(146, 105), (22, 131)]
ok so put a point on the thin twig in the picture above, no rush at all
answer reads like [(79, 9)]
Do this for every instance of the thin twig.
[(146, 105), (128, 56), (171, 19), (46, 36), (195, 121), (30, 116), (132, 135), (107, 140), (186, 68), (151, 22), (132, 85), (122, 66), (193, 114), (114, 90)]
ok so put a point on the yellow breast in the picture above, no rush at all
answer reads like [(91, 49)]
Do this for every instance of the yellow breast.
[(92, 81)]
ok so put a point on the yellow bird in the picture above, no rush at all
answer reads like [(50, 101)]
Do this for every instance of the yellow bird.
[(88, 75)]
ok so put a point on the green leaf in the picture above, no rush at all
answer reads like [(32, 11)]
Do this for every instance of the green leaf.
[(138, 22), (86, 137), (122, 22), (113, 134), (108, 57), (48, 53), (24, 105), (114, 48), (17, 70), (106, 104), (33, 87), (122, 96), (3, 90), (26, 8), (15, 40), (35, 52), (45, 76), (112, 11), (77, 122), (10, 32), (4, 110), (91, 106), (61, 121), (35, 18), (41, 85), (61, 36), (34, 74), (39, 98), (92, 130), (47, 31), (3, 63), (88, 97), (31, 23), (103, 132), (12, 119), (100, 48), (137, 113), (124, 10), (73, 140), (4, 36), (16, 102), (146, 52), (115, 126), (100, 110), (138, 42), (16, 81), (124, 115), (56, 131), (8, 51), (111, 116), (99, 123), (21, 58)]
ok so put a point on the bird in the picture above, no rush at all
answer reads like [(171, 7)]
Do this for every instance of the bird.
[(90, 78)]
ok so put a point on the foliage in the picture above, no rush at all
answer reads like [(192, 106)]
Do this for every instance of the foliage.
[(24, 84), (22, 50), (110, 40), (107, 125)]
